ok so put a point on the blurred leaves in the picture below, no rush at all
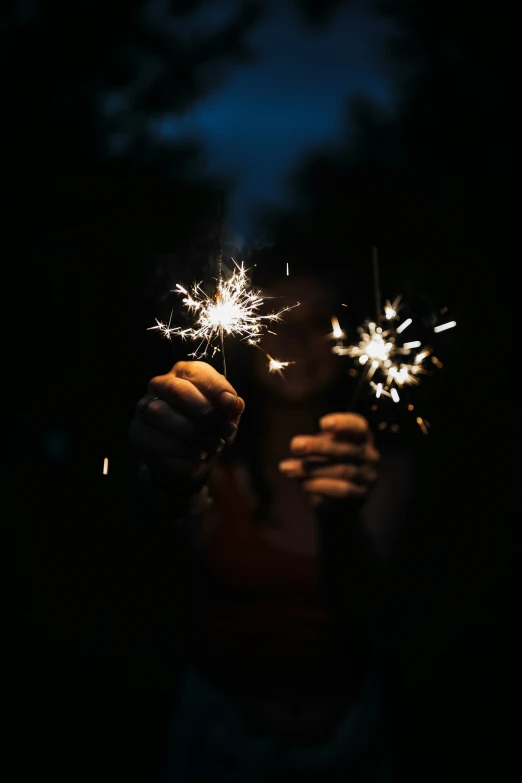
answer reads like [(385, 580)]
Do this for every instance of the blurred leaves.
[(86, 73), (320, 12)]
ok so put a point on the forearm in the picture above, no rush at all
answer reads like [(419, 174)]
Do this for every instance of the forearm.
[(360, 543)]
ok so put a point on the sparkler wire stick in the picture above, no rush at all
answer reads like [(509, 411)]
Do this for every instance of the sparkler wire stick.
[(220, 274), (376, 284), (379, 317)]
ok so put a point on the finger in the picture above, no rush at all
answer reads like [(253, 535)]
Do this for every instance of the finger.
[(325, 445), (299, 468), (293, 468), (214, 386), (358, 474), (188, 399), (160, 415), (333, 488), (347, 425), (154, 443)]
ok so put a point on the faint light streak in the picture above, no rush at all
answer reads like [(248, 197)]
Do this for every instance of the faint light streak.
[(443, 327), (105, 470), (422, 424)]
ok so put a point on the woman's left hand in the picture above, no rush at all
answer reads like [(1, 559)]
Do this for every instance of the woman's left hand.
[(339, 462)]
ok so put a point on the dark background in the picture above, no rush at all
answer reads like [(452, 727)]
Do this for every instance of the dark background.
[(95, 231)]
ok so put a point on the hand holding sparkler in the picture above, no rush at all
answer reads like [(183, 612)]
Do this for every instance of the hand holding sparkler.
[(184, 419), (337, 463)]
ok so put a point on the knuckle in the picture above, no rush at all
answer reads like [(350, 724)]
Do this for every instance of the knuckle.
[(183, 369), (361, 422), (156, 383)]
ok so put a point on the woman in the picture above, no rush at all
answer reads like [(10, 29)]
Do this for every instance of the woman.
[(286, 505)]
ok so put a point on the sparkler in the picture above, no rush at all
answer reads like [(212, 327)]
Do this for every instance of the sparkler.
[(388, 364), (233, 310)]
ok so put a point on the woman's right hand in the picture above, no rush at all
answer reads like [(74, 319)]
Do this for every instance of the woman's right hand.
[(184, 419)]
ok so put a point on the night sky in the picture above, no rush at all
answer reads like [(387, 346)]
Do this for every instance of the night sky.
[(290, 100)]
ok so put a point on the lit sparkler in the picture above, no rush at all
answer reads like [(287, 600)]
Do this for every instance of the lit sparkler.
[(233, 310), (387, 363)]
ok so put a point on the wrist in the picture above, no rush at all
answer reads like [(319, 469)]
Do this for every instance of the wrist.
[(174, 495)]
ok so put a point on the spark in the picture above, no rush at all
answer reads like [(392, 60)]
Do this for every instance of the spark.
[(443, 327), (391, 309), (337, 333), (404, 325), (274, 365), (423, 424), (233, 310), (105, 470), (287, 270)]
